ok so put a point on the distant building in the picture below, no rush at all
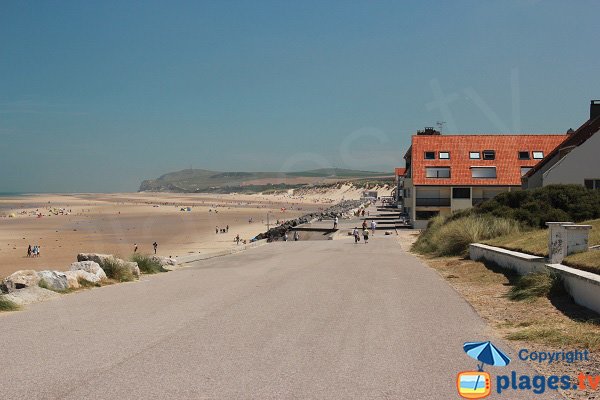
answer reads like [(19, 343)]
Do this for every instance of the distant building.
[(575, 160), (445, 173), (398, 192)]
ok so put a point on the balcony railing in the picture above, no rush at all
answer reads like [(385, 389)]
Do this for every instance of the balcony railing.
[(433, 202)]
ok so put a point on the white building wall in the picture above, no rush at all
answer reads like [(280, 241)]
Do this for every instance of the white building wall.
[(581, 163)]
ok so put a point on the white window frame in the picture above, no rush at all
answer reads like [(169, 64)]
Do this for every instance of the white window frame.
[(471, 153), (539, 153)]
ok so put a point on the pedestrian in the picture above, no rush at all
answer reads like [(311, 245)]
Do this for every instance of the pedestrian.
[(155, 245), (29, 251), (38, 250), (364, 224), (285, 236), (135, 247), (237, 239), (366, 235), (296, 236), (227, 228), (335, 222), (373, 226), (216, 230), (356, 235)]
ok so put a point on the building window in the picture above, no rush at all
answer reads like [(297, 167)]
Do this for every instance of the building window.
[(525, 170), (474, 155), (483, 172), (461, 193), (592, 183), (489, 155), (444, 155), (421, 215), (437, 172), (538, 155), (430, 155), (523, 155)]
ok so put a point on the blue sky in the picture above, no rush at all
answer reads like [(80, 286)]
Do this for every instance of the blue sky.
[(96, 96)]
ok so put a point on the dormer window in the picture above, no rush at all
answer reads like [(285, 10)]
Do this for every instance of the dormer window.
[(538, 155), (430, 155), (523, 155), (489, 155)]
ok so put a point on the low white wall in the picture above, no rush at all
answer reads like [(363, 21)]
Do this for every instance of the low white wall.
[(583, 286), (520, 262)]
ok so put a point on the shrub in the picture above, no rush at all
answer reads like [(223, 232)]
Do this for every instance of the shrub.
[(451, 236), (147, 264), (550, 203), (117, 270), (7, 305)]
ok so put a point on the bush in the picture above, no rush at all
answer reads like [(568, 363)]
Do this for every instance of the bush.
[(451, 236), (116, 270), (7, 305), (147, 264), (550, 203)]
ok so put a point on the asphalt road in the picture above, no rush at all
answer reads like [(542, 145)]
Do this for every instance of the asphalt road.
[(296, 320)]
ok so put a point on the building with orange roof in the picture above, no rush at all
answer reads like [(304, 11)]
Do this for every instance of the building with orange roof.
[(445, 173), (573, 161)]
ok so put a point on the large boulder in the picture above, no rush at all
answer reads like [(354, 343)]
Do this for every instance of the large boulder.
[(20, 280), (104, 258), (31, 294), (165, 261), (53, 280), (91, 267), (73, 278)]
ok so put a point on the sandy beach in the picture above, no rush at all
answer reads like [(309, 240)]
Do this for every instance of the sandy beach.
[(64, 225)]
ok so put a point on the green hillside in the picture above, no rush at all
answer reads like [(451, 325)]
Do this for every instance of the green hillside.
[(201, 180)]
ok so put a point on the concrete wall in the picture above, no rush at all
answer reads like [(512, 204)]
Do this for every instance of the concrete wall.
[(521, 263), (581, 163), (583, 286)]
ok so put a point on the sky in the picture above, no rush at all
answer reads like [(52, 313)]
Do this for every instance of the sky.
[(96, 96)]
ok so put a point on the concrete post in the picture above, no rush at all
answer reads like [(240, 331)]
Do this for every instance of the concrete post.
[(577, 238), (557, 241)]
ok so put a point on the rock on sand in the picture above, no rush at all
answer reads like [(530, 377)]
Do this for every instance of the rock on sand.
[(20, 280)]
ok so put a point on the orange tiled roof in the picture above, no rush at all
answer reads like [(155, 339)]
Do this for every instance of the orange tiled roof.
[(507, 163), (400, 171)]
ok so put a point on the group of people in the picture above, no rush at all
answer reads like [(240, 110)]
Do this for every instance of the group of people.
[(154, 246), (33, 251), (365, 231), (221, 230)]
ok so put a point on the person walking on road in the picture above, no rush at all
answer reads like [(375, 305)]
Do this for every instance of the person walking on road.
[(356, 235), (366, 235), (373, 226), (296, 236), (155, 245), (335, 222)]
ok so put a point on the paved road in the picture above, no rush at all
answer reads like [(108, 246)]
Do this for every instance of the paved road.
[(296, 320)]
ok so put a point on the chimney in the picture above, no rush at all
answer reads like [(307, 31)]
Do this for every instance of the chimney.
[(429, 131), (594, 108)]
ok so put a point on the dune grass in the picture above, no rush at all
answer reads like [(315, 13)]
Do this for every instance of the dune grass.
[(116, 270), (528, 287), (147, 264), (8, 305), (451, 235)]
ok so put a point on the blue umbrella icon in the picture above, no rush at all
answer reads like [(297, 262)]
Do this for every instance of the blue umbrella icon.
[(486, 353)]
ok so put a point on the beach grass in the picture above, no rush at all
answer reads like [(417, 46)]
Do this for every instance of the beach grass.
[(116, 270), (530, 286), (8, 305), (147, 264)]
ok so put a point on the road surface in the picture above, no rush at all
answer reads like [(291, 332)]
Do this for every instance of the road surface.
[(295, 320)]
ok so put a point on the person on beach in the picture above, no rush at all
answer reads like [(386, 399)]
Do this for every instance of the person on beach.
[(335, 222), (366, 235), (373, 226), (285, 236), (216, 230), (38, 247), (227, 228), (296, 236), (364, 225), (356, 235), (237, 239), (29, 251), (135, 247), (155, 245)]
